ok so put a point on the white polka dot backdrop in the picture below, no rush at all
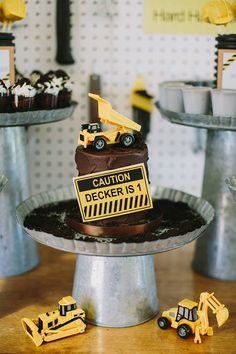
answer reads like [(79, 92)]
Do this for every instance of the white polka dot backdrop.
[(108, 38)]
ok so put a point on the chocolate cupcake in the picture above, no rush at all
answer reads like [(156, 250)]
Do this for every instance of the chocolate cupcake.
[(4, 98), (65, 93), (47, 93), (22, 96)]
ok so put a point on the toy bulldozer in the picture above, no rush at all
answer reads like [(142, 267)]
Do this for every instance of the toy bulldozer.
[(92, 134), (192, 317), (49, 326)]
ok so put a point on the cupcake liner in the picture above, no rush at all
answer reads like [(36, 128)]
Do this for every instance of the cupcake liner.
[(38, 99), (64, 99), (22, 104), (48, 101), (4, 104)]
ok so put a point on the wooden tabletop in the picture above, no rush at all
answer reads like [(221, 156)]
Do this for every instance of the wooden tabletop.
[(39, 291)]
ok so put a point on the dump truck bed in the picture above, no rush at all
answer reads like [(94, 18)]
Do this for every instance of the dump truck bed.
[(107, 115)]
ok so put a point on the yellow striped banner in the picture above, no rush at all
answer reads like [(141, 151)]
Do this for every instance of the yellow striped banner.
[(229, 62)]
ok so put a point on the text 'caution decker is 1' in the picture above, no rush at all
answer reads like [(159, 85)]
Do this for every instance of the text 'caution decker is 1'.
[(113, 193)]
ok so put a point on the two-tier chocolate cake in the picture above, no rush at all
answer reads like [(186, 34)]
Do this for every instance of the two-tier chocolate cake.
[(89, 161), (96, 154)]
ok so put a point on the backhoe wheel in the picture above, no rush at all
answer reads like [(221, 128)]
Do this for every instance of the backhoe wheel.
[(184, 331), (127, 140), (163, 322), (99, 144)]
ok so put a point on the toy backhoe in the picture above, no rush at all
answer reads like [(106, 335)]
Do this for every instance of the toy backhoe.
[(92, 134), (49, 326), (192, 318)]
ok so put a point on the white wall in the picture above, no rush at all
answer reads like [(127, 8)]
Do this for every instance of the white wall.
[(117, 48)]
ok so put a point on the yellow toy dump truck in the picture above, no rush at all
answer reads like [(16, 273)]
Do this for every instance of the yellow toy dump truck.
[(192, 317), (92, 134), (69, 319)]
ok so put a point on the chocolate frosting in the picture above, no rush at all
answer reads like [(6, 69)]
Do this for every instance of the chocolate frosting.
[(90, 161)]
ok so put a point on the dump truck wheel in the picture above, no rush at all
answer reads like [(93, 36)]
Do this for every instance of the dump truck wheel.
[(163, 322), (99, 144), (127, 140), (184, 331)]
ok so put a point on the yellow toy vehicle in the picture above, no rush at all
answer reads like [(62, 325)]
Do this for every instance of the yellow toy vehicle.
[(92, 134), (12, 10), (49, 326), (192, 317)]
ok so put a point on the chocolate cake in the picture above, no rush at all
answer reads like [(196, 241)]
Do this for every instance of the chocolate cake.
[(90, 161), (61, 219)]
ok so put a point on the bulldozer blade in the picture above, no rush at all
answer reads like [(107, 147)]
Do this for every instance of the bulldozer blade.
[(61, 334), (221, 316), (31, 330)]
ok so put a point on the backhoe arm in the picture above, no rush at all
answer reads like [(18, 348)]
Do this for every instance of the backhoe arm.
[(209, 301)]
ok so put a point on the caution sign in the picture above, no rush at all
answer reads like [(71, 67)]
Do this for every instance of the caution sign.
[(113, 193)]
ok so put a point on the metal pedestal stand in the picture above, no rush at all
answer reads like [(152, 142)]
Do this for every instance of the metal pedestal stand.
[(18, 253), (215, 254), (115, 283), (116, 291)]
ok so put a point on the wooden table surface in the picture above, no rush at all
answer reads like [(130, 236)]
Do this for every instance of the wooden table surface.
[(39, 290)]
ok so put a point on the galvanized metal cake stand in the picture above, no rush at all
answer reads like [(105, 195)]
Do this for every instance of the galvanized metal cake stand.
[(115, 282), (18, 253), (215, 254)]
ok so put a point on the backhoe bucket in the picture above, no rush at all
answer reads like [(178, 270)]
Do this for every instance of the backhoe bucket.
[(31, 330), (221, 316)]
